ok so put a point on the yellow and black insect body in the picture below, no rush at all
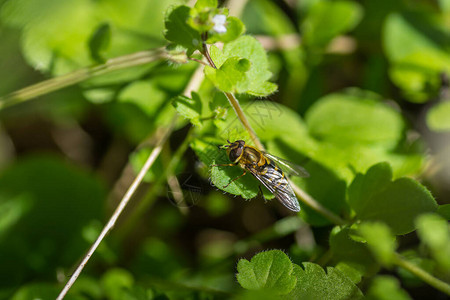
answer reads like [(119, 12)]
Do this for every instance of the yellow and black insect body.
[(264, 167)]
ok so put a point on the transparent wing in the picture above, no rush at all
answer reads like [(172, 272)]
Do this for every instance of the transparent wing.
[(287, 166), (278, 185)]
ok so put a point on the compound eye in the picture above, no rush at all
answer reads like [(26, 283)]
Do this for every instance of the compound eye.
[(235, 153)]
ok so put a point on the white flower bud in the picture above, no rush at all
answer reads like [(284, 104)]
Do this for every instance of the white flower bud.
[(219, 23)]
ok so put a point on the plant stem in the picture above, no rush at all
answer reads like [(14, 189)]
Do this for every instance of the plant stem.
[(241, 116), (234, 103), (51, 85), (150, 196), (314, 204), (123, 203), (422, 274), (305, 197)]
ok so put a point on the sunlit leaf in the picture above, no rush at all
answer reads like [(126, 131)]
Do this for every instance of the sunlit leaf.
[(379, 240), (438, 117), (374, 197), (270, 270), (386, 288), (314, 283), (434, 232), (325, 20)]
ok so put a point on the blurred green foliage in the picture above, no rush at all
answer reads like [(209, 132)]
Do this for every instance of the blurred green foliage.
[(357, 92)]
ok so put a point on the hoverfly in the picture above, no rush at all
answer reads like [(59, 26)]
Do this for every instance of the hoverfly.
[(264, 167)]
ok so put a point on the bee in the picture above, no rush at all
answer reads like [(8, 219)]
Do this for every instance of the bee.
[(265, 167)]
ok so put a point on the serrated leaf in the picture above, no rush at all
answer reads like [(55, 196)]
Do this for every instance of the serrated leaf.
[(100, 42), (314, 283), (247, 187), (396, 203), (190, 108), (352, 271), (386, 288), (434, 232), (326, 20), (438, 117), (271, 270), (380, 241), (179, 32), (256, 78), (230, 76)]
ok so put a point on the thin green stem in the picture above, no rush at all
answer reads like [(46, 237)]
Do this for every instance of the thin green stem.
[(57, 83), (422, 274), (150, 196), (314, 204), (304, 197), (120, 208), (241, 116)]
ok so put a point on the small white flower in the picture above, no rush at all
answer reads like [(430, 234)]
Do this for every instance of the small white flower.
[(219, 23)]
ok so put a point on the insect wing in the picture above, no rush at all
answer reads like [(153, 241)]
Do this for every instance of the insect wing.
[(282, 191), (288, 166)]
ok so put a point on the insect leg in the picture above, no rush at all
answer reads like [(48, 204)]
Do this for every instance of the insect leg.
[(245, 172), (261, 193), (224, 165)]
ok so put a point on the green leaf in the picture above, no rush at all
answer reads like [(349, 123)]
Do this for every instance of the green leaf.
[(314, 283), (147, 97), (271, 270), (55, 34), (353, 253), (351, 271), (189, 108), (326, 20), (444, 5), (345, 118), (41, 291), (235, 28), (99, 42), (326, 188), (201, 18), (247, 187), (438, 117), (397, 203), (444, 211), (255, 80), (417, 57), (434, 232), (380, 241), (386, 288), (376, 178), (230, 76), (204, 4), (179, 32), (116, 283), (137, 160), (267, 18), (50, 202)]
